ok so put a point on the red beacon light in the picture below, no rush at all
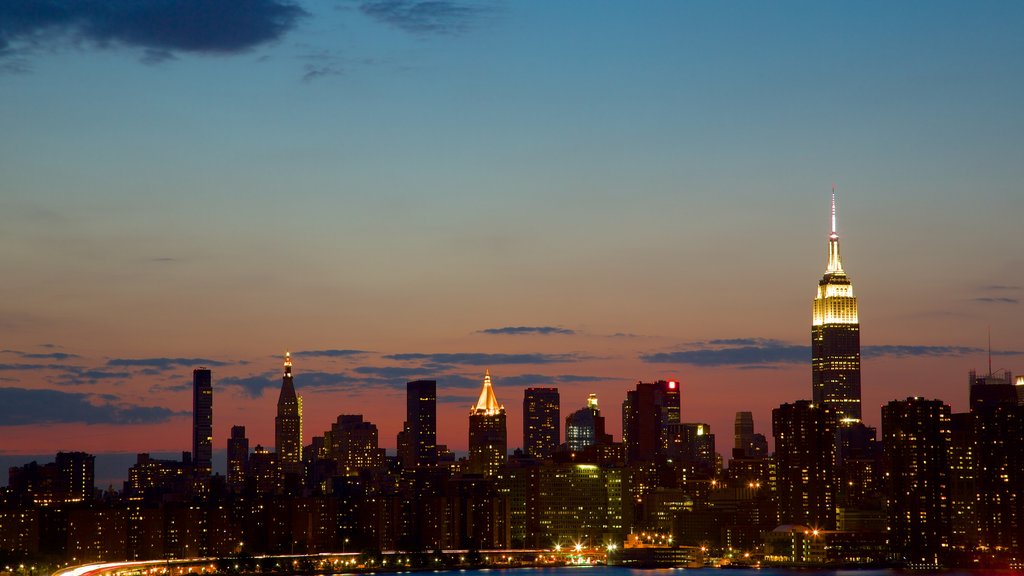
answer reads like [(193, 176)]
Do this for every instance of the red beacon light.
[(672, 385)]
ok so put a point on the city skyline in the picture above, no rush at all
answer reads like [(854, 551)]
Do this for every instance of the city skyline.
[(393, 203)]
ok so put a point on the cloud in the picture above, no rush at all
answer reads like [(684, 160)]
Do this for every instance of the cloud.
[(997, 300), (484, 359), (163, 363), (21, 406), (331, 353), (424, 17), (767, 353), (49, 356), (763, 354), (255, 385), (468, 400), (316, 71), (158, 27), (519, 330), (21, 366), (1000, 287), (77, 376), (525, 380)]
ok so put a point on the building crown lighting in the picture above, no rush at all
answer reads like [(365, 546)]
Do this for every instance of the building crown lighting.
[(487, 403)]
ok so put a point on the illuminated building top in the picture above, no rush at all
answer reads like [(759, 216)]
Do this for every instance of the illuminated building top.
[(487, 404), (592, 401), (287, 363), (834, 302)]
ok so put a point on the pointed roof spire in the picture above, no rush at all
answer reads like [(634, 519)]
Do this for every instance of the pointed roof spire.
[(488, 402), (287, 363), (835, 265)]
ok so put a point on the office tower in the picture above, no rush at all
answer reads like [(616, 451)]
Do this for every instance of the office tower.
[(997, 427), (202, 421), (646, 414), (916, 439), (238, 459), (585, 427), (420, 432), (835, 338), (487, 439), (541, 421), (354, 445), (805, 456), (288, 424), (693, 444), (76, 477), (747, 443)]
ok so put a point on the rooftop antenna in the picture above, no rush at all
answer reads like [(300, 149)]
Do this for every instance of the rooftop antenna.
[(833, 209)]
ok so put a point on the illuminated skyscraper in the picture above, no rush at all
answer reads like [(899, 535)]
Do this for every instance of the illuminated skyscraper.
[(585, 426), (288, 423), (916, 441), (541, 422), (488, 443), (202, 421), (835, 337)]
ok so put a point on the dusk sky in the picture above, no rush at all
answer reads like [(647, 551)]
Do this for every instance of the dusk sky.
[(572, 194)]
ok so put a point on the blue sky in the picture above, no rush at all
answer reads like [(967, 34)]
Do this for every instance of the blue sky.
[(397, 177)]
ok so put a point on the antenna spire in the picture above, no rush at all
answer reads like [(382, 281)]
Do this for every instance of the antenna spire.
[(833, 209), (989, 350)]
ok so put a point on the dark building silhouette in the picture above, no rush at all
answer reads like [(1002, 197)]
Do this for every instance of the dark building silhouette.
[(76, 476), (238, 459), (202, 421), (585, 427), (646, 414), (747, 443), (418, 440), (488, 441), (805, 459), (541, 421), (288, 424), (354, 445), (835, 338), (916, 440), (997, 427)]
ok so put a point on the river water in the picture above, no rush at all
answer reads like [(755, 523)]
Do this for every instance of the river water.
[(617, 571)]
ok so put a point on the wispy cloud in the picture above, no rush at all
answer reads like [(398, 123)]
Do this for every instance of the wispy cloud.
[(21, 406), (424, 17), (997, 300), (485, 359), (763, 354), (164, 363), (159, 28), (521, 330), (331, 353)]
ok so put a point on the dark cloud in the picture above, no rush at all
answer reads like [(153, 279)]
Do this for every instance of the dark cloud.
[(997, 300), (1000, 287), (468, 400), (524, 380), (519, 330), (331, 353), (255, 385), (317, 71), (484, 359), (42, 355), (158, 27), (786, 354), (762, 354), (22, 366), (424, 17), (399, 372), (164, 363), (20, 406), (76, 376)]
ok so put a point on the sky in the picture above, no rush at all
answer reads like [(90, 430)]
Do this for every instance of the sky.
[(571, 194)]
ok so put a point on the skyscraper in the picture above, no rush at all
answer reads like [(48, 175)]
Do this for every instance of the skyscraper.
[(805, 456), (647, 413), (541, 421), (238, 459), (585, 426), (420, 424), (916, 440), (835, 337), (488, 442), (202, 421), (288, 423)]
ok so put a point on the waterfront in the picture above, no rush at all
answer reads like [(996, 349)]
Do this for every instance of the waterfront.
[(621, 571)]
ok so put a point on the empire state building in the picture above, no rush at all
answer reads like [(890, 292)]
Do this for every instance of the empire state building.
[(835, 337)]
